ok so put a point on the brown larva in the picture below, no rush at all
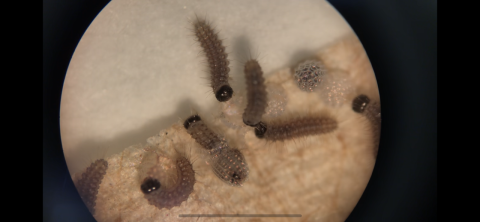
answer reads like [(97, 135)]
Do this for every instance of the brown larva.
[(90, 181), (217, 59), (208, 139), (371, 110), (228, 163), (163, 197), (280, 130), (256, 93)]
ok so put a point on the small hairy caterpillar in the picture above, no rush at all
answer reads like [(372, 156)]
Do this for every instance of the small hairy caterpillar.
[(371, 111), (162, 197), (208, 139), (256, 93), (279, 130), (217, 59), (90, 181), (228, 163)]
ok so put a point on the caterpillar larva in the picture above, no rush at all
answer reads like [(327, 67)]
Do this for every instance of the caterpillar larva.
[(90, 181), (217, 59), (228, 163), (279, 130), (163, 197), (371, 110), (256, 93), (208, 139)]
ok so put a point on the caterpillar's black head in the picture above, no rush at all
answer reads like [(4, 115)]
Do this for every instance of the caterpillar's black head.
[(237, 178), (359, 103), (224, 93), (149, 185), (260, 129), (191, 120)]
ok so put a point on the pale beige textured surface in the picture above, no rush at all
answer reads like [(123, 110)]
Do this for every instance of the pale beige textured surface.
[(319, 177)]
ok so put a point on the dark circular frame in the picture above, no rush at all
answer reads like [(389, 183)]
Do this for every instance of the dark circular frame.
[(400, 38)]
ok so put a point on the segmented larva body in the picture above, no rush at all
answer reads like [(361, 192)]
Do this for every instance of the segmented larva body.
[(280, 130), (208, 139), (372, 112), (217, 59), (230, 166), (256, 93), (90, 181), (168, 198)]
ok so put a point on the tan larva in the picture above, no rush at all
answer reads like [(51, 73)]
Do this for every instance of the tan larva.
[(217, 59), (256, 93), (90, 181), (280, 130)]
